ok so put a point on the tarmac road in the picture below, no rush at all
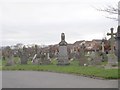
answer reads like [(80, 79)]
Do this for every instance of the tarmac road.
[(38, 79)]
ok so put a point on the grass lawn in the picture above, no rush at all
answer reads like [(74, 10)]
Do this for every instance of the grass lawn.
[(0, 65), (73, 68), (0, 68)]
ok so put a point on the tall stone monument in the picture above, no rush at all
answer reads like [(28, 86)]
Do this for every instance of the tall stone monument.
[(112, 58), (63, 53), (112, 39)]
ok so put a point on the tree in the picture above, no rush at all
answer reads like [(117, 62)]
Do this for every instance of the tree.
[(111, 10)]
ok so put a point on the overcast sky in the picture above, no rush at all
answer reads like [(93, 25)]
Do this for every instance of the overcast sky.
[(43, 21)]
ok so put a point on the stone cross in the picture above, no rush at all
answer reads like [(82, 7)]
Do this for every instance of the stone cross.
[(112, 39)]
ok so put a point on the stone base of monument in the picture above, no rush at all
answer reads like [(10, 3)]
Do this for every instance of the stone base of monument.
[(112, 62), (112, 59), (63, 56)]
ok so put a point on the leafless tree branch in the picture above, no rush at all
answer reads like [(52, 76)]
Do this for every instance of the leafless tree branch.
[(111, 10)]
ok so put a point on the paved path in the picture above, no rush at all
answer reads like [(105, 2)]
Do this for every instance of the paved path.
[(35, 79)]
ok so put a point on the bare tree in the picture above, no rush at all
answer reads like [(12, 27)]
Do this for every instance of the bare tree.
[(111, 10)]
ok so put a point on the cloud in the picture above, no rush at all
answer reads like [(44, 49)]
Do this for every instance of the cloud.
[(42, 21)]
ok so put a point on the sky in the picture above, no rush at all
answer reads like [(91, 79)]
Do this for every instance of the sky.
[(42, 21)]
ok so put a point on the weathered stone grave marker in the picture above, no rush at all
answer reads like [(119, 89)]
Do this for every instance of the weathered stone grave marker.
[(103, 53), (63, 54), (83, 58), (36, 58), (112, 58), (23, 55), (9, 58), (45, 59), (95, 59)]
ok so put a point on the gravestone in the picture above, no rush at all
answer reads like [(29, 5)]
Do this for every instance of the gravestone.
[(23, 55), (104, 57), (9, 57), (36, 59), (63, 53), (112, 58), (88, 57), (45, 59), (95, 59), (48, 57), (103, 53), (83, 58)]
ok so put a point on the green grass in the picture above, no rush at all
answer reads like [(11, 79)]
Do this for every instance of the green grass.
[(0, 64), (73, 68), (0, 68)]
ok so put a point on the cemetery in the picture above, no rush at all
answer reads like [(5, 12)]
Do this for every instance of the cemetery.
[(88, 58), (60, 44)]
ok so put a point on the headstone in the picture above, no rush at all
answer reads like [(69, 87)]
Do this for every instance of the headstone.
[(104, 57), (103, 53), (88, 58), (63, 54), (83, 58), (95, 59), (36, 60), (9, 58), (23, 55), (48, 57), (45, 59)]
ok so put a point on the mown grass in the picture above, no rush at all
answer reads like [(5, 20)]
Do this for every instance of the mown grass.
[(73, 68), (0, 64)]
